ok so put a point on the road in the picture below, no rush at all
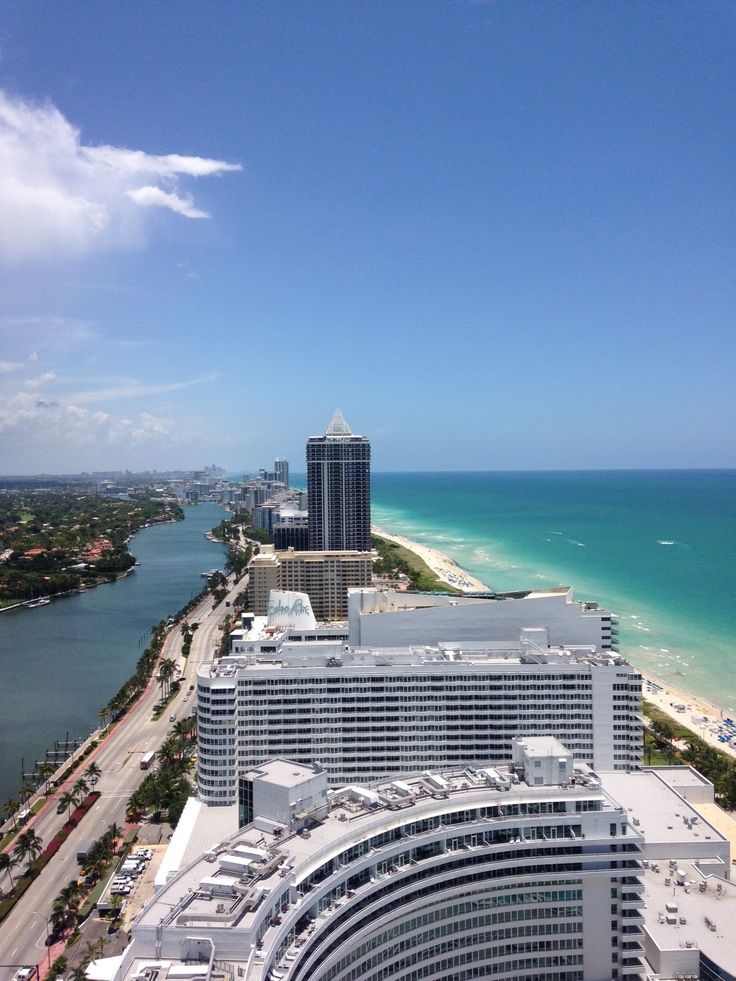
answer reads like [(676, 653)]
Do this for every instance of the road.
[(23, 934)]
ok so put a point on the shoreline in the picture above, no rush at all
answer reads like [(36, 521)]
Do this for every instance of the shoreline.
[(666, 696), (77, 591), (84, 588), (660, 692), (445, 568)]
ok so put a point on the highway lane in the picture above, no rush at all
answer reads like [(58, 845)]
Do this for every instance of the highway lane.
[(23, 933)]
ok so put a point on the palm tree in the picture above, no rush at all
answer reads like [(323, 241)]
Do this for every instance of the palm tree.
[(67, 799), (71, 897), (93, 773), (94, 864), (29, 845), (168, 752), (10, 808), (166, 671), (117, 705), (80, 790), (45, 771), (136, 804), (6, 864), (103, 715), (58, 915), (94, 950), (185, 728), (66, 906)]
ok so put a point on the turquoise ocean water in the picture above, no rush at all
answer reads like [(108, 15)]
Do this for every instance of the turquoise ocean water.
[(657, 547)]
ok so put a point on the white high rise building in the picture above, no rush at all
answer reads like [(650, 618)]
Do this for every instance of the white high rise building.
[(524, 874), (281, 471), (370, 714)]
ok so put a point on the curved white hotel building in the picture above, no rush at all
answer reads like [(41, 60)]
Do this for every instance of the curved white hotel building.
[(517, 874)]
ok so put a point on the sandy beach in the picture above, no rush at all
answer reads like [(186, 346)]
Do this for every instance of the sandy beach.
[(445, 568), (666, 696), (702, 716)]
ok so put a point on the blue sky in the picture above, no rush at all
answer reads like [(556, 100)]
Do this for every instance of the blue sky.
[(497, 235)]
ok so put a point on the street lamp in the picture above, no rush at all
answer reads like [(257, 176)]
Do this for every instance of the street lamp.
[(48, 945)]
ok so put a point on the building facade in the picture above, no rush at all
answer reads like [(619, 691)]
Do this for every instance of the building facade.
[(281, 470), (291, 530), (380, 617), (367, 715), (444, 876), (339, 489), (326, 577)]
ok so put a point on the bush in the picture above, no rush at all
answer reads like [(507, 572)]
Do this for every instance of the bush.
[(58, 967)]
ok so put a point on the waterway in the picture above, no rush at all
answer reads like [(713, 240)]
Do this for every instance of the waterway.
[(61, 663)]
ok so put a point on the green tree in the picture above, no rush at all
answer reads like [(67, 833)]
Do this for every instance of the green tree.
[(6, 865), (80, 790), (45, 771), (166, 671), (67, 903), (136, 805), (67, 800), (93, 773), (28, 846), (10, 808)]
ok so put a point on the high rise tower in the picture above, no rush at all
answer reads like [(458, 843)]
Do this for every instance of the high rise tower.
[(281, 469), (339, 489)]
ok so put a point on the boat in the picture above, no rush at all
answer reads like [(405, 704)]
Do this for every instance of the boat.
[(38, 602), (210, 574)]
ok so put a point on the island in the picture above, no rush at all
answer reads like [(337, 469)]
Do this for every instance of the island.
[(53, 543)]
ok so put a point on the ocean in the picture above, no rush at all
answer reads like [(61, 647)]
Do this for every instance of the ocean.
[(656, 547)]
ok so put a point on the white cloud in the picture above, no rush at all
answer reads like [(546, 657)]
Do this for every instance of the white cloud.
[(137, 163), (154, 197), (40, 380), (50, 426), (7, 366), (151, 428), (61, 198), (131, 389)]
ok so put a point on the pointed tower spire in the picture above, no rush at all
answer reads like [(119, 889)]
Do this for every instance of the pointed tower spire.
[(338, 426)]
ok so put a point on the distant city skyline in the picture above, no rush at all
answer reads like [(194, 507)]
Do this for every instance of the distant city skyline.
[(499, 235)]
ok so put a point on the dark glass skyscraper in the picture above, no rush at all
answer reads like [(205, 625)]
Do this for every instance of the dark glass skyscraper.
[(339, 489)]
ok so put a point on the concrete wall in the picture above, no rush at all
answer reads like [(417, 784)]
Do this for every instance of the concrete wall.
[(450, 619)]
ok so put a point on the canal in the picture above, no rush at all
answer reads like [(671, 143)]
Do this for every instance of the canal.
[(61, 663)]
